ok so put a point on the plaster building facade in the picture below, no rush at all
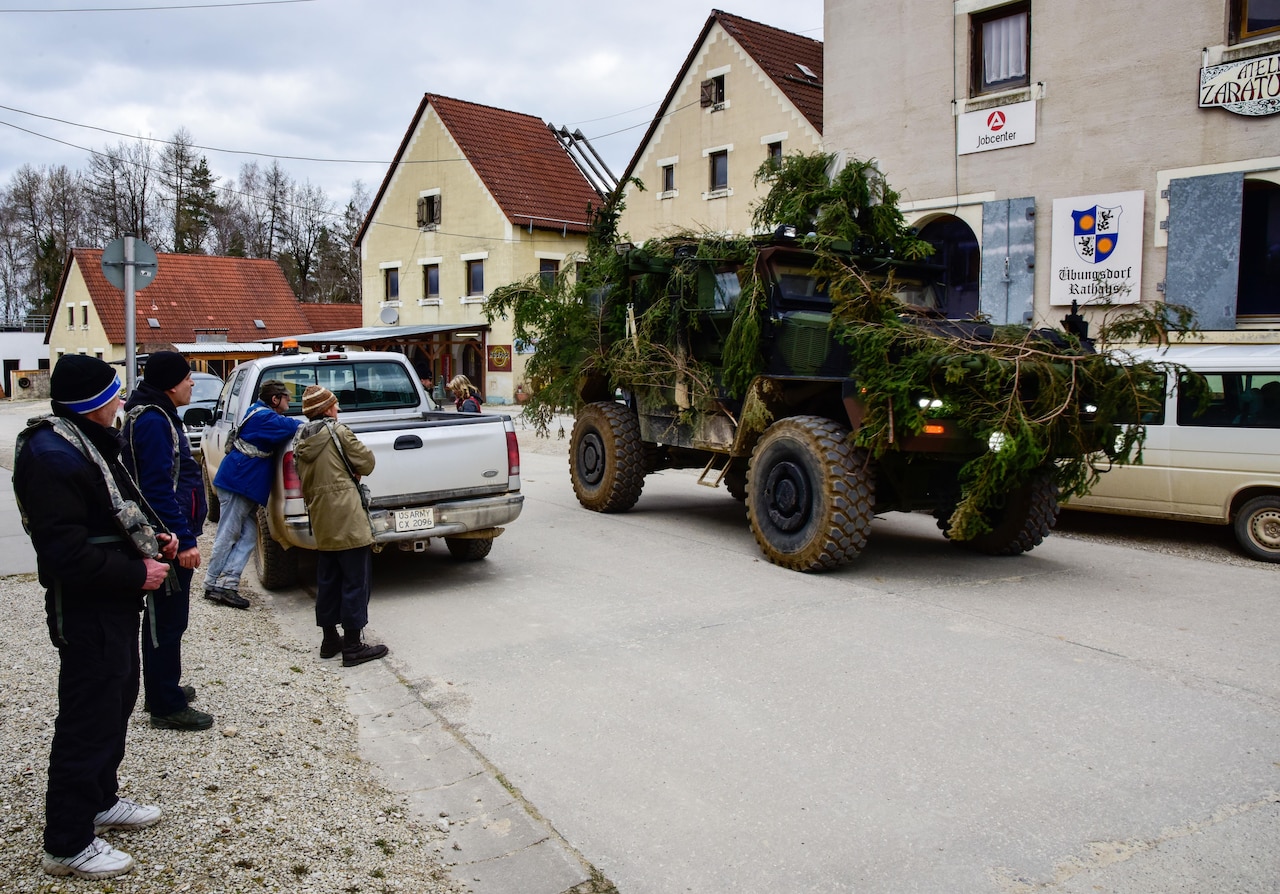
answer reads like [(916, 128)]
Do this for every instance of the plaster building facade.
[(1055, 152), (476, 197), (746, 93)]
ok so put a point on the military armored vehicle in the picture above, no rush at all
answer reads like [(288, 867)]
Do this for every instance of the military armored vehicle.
[(801, 437)]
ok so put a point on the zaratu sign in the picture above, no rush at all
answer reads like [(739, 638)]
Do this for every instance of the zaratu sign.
[(1247, 87)]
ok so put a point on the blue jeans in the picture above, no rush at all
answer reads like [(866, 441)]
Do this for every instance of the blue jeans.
[(233, 544)]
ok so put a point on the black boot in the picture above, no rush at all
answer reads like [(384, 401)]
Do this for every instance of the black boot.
[(331, 644), (356, 652)]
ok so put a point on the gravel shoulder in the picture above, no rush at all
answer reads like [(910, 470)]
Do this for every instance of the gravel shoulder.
[(273, 798)]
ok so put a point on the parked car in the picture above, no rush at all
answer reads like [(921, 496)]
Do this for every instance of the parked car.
[(199, 413), (1218, 463)]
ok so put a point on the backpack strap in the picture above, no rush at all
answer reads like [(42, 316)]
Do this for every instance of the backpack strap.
[(132, 417), (235, 442)]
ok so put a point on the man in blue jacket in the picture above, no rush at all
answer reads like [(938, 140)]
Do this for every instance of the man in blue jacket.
[(94, 578), (243, 484), (158, 455)]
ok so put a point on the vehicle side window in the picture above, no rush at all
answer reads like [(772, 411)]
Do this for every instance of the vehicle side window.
[(1242, 400), (229, 390)]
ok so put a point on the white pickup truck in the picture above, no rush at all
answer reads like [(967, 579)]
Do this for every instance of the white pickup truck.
[(438, 473)]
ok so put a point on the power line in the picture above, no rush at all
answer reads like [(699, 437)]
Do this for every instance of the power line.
[(160, 8)]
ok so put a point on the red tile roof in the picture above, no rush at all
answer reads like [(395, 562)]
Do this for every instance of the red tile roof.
[(521, 163), (193, 292), (778, 53), (328, 317)]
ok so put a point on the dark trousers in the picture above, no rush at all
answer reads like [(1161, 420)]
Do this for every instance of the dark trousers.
[(97, 688), (344, 583), (163, 625)]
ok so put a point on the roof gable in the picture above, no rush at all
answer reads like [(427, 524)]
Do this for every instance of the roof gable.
[(191, 293), (778, 53), (524, 167)]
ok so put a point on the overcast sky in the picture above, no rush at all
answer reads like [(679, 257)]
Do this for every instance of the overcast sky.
[(336, 80)]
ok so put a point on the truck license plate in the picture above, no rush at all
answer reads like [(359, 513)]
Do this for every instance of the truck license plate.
[(415, 519)]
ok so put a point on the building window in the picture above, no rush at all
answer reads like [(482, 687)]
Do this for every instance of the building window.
[(668, 178), (713, 92), (1258, 293), (429, 211), (719, 170), (431, 281), (1001, 44), (1252, 18), (475, 278), (391, 283), (84, 315), (548, 269), (71, 317), (775, 154)]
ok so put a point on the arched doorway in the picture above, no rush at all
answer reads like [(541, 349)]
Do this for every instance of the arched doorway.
[(956, 250)]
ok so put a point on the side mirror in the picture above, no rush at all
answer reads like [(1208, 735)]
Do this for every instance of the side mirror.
[(198, 417)]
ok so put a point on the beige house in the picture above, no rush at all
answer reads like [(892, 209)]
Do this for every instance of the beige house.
[(476, 198), (746, 93), (1054, 153), (218, 311)]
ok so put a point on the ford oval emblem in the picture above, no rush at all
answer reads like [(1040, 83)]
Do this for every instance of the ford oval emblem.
[(491, 473)]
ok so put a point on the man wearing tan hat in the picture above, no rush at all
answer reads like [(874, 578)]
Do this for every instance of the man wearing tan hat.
[(330, 461)]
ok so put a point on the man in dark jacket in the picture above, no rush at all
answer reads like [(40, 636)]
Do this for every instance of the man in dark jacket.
[(158, 455), (94, 578), (243, 484)]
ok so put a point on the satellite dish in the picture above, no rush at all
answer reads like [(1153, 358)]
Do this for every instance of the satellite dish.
[(389, 315)]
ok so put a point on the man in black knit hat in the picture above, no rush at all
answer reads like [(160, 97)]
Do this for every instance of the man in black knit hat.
[(94, 577), (156, 451)]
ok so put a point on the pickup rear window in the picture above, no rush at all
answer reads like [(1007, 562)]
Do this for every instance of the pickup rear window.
[(376, 385)]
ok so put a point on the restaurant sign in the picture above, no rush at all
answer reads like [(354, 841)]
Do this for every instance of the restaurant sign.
[(1246, 87)]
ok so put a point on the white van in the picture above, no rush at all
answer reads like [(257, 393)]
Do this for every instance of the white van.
[(1221, 465)]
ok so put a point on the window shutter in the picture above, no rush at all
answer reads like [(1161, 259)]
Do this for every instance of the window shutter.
[(1202, 263), (1007, 288), (708, 92), (423, 218), (435, 209)]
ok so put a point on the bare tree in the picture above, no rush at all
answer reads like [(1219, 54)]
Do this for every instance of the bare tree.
[(121, 192)]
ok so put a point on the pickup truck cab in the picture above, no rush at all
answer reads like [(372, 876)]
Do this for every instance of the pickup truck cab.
[(439, 474)]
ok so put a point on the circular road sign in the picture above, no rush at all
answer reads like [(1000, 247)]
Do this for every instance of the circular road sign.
[(144, 264)]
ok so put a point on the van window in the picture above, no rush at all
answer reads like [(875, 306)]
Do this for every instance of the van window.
[(1241, 400)]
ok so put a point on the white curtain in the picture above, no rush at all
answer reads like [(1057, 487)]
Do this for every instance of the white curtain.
[(1004, 48)]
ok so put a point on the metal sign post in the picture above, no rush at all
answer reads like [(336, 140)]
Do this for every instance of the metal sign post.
[(129, 264)]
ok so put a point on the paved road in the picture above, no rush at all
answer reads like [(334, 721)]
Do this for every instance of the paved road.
[(690, 718)]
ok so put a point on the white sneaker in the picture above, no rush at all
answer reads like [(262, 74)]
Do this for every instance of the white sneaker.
[(98, 860), (126, 815)]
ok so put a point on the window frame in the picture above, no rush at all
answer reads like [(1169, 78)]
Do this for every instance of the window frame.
[(391, 284), (721, 155), (548, 270), (669, 178), (476, 264), (1238, 22), (712, 93), (429, 211), (978, 85), (429, 272), (773, 153)]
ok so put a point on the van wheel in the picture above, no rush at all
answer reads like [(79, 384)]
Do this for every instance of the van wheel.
[(810, 494), (1022, 522), (277, 566), (468, 549), (210, 495), (1257, 527)]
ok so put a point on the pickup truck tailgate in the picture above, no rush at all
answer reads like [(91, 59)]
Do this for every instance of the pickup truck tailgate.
[(439, 458)]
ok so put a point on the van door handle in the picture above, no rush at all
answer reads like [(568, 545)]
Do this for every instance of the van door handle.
[(408, 442)]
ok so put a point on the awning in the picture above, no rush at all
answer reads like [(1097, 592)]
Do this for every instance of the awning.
[(381, 334)]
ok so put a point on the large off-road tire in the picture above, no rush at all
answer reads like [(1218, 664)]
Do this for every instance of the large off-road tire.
[(210, 495), (468, 549), (1021, 523), (277, 566), (1257, 527), (810, 494), (606, 457)]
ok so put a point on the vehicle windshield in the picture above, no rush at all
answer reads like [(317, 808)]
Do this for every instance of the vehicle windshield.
[(206, 389)]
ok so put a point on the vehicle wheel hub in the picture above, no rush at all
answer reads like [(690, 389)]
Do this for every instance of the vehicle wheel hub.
[(1266, 529), (788, 496), (591, 458)]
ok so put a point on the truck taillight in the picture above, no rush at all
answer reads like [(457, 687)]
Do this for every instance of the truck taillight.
[(513, 455), (292, 483)]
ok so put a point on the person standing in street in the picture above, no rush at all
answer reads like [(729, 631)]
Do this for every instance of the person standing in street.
[(243, 483), (465, 397), (330, 461), (94, 576), (157, 454)]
